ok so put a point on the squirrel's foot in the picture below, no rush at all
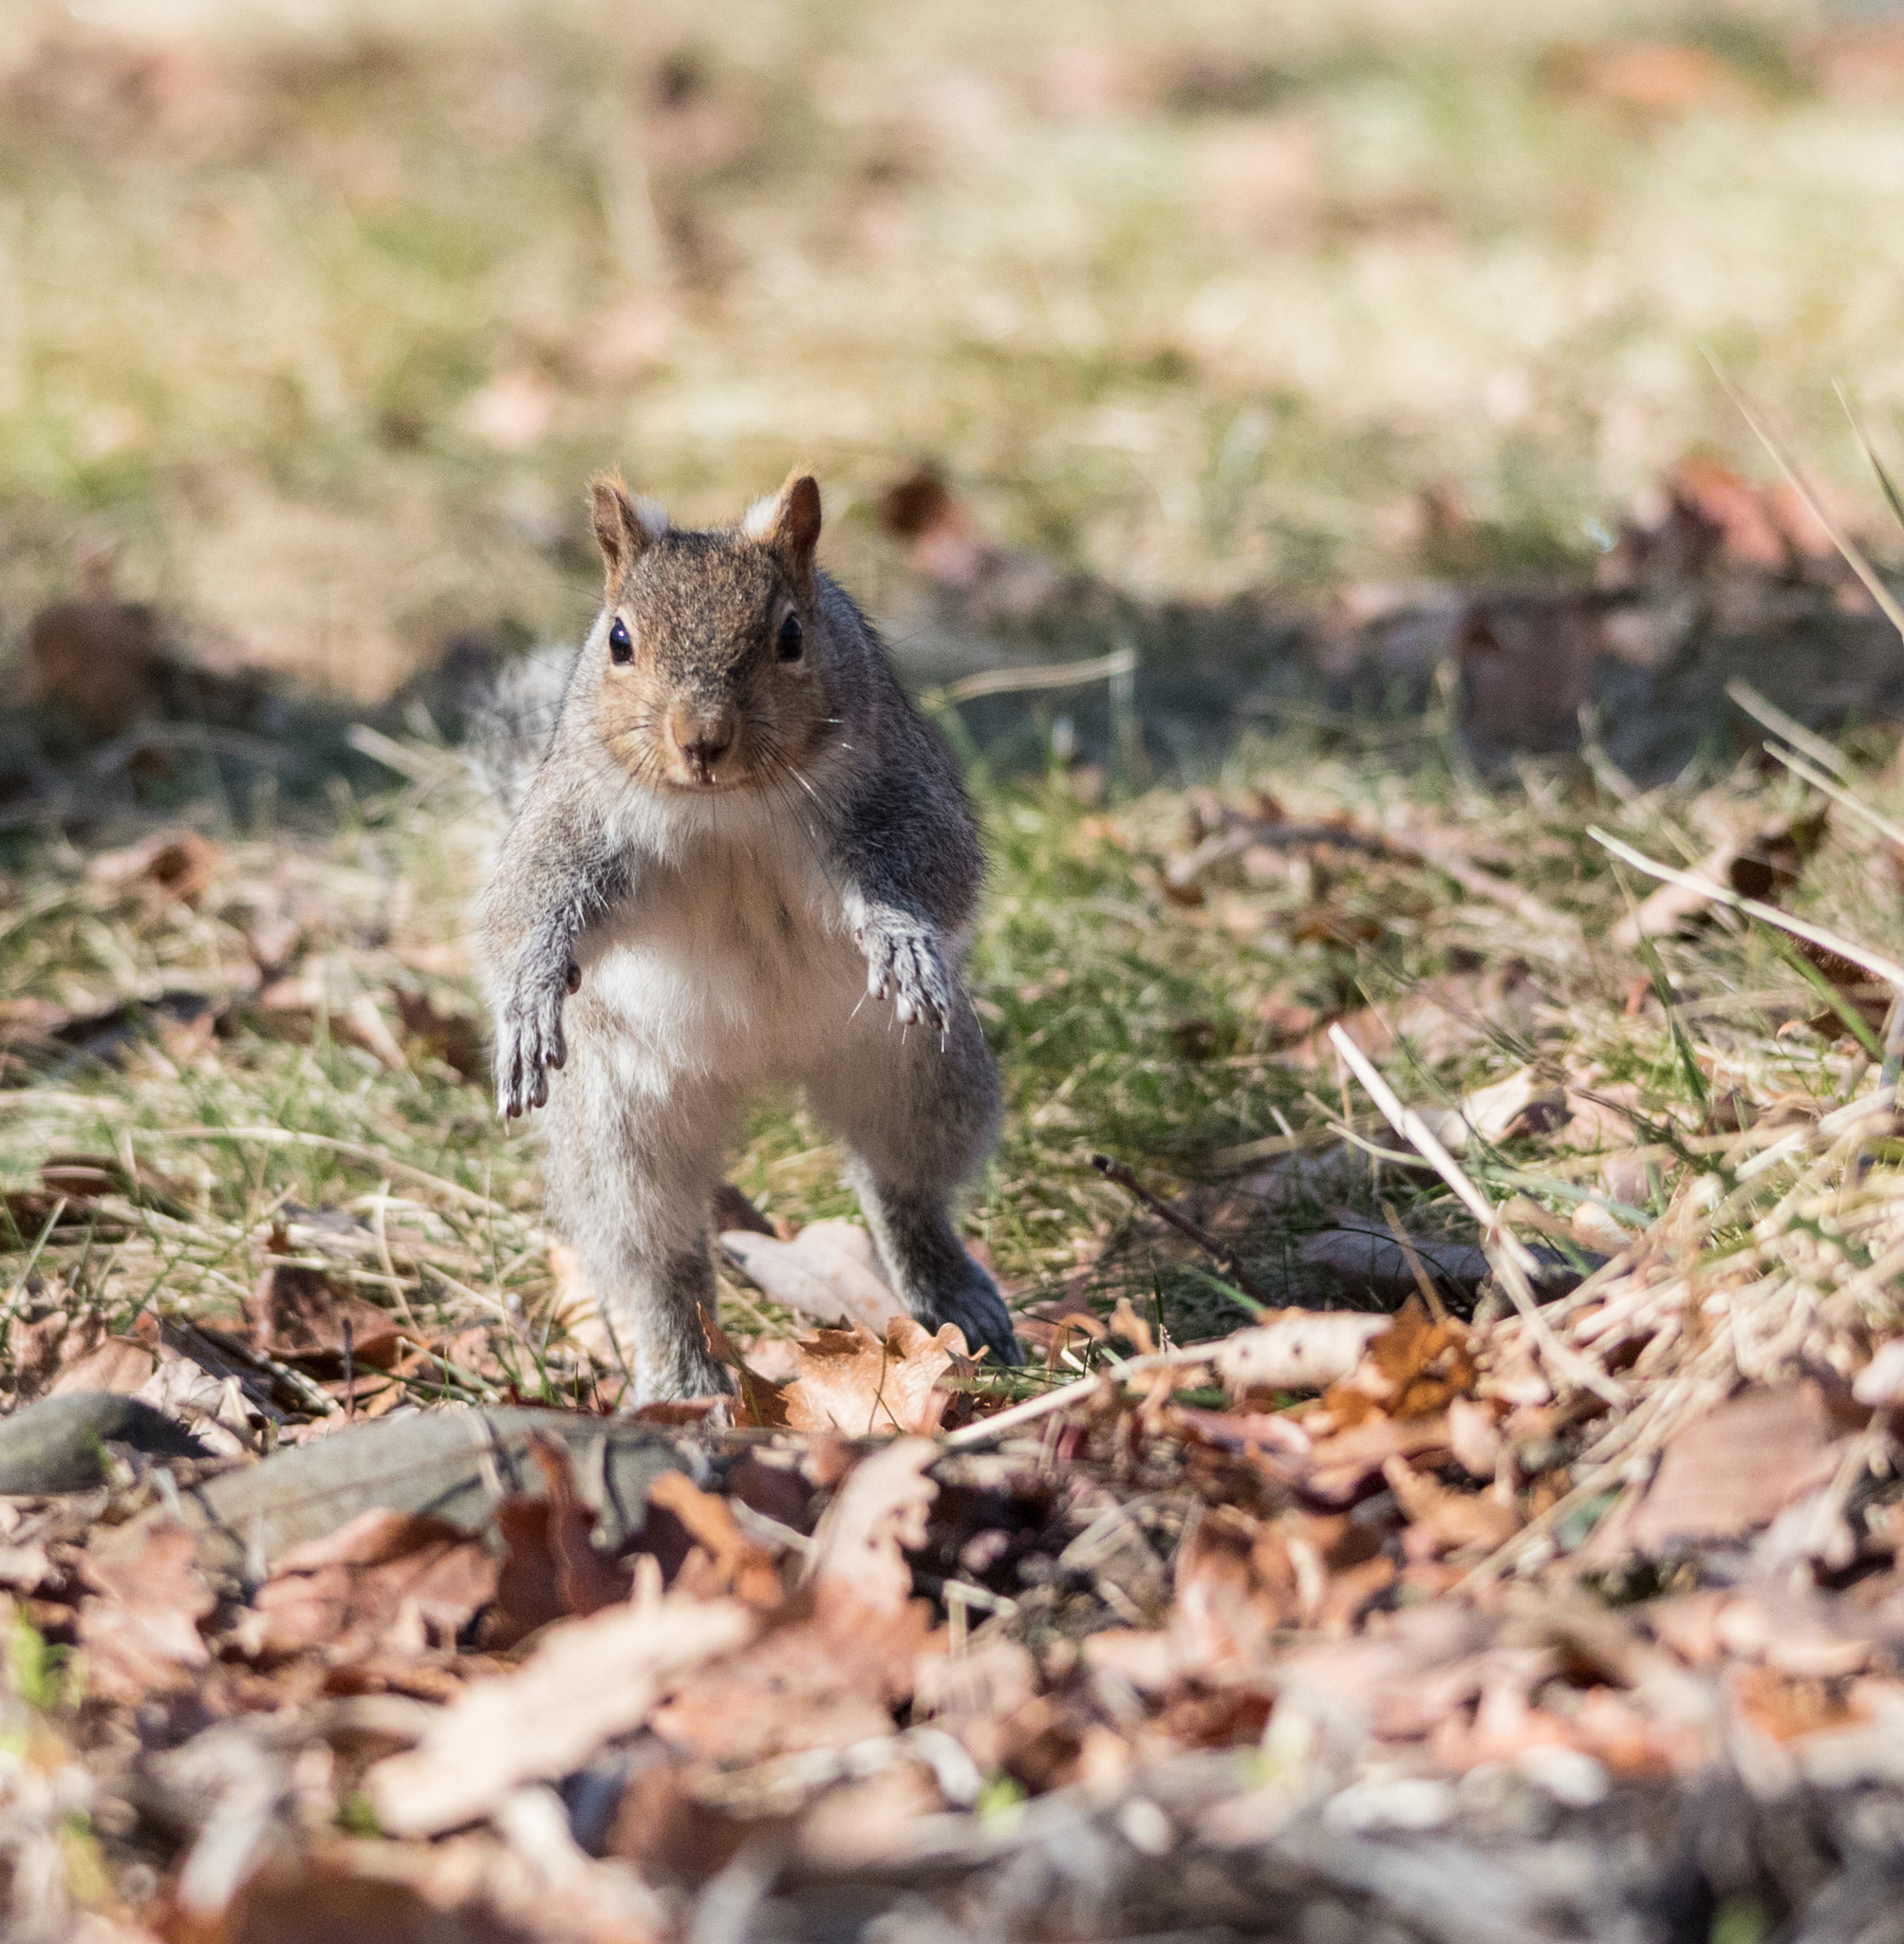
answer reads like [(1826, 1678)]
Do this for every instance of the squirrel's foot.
[(529, 1041), (903, 964), (973, 1304)]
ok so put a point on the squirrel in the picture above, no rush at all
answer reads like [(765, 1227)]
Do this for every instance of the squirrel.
[(739, 833)]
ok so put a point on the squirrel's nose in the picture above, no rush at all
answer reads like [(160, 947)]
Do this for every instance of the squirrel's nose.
[(702, 740)]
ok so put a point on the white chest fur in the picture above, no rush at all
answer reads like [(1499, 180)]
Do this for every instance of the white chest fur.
[(731, 955)]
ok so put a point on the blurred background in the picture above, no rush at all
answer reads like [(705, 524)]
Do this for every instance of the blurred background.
[(1098, 319)]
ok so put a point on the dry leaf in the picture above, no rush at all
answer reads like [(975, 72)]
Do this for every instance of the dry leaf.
[(552, 1568), (1527, 1101), (121, 1364), (1762, 865), (852, 1383), (1727, 1472), (298, 1315), (878, 1514), (828, 1272), (180, 864), (1295, 1350), (832, 1679), (386, 1576), (587, 1682), (141, 1631), (734, 1563)]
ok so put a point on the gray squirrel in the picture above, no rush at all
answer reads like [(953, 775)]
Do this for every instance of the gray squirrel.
[(742, 858)]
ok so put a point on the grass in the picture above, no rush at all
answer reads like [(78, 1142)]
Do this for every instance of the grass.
[(312, 332), (1126, 1021)]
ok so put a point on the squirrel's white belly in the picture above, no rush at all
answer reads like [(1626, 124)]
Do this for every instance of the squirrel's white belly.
[(736, 964)]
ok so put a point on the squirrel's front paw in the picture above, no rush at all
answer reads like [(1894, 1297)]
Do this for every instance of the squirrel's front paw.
[(528, 1042), (903, 964)]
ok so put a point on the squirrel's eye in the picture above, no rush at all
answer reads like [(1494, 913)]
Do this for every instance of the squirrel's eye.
[(621, 648), (789, 646)]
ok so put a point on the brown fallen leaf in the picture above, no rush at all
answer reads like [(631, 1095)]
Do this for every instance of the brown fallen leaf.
[(141, 1628), (729, 1560), (588, 1681), (1732, 1470), (121, 1364), (1411, 1370), (828, 1272), (1441, 1521), (180, 864), (1237, 1586), (299, 1315), (852, 1382), (385, 1580), (552, 1568), (832, 1678)]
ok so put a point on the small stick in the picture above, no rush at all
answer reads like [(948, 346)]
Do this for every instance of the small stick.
[(349, 1373), (1034, 1408), (1513, 1262), (1423, 1281), (1221, 1253)]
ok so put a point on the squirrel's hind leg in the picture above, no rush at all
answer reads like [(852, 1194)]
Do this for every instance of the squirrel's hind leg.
[(631, 1178), (917, 1114)]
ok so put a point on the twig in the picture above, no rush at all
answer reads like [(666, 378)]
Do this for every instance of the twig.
[(1221, 1253), (1423, 1281), (1066, 1394), (1514, 1263), (1048, 675)]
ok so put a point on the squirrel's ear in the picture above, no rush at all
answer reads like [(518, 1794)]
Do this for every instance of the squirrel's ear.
[(789, 524), (624, 527)]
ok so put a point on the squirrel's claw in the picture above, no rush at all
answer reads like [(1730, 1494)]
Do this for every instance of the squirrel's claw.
[(529, 1041), (906, 967)]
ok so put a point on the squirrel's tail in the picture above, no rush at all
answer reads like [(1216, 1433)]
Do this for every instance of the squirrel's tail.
[(507, 725)]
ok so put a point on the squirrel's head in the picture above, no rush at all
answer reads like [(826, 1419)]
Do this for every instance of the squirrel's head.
[(712, 655)]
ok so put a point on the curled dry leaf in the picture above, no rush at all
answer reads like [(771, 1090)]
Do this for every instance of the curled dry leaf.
[(180, 864), (827, 1272), (298, 1314), (830, 1679), (852, 1382), (879, 1513), (1296, 1350), (552, 1568), (589, 1681), (1760, 864)]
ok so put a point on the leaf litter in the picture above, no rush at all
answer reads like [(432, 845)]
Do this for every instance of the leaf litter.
[(1384, 1602)]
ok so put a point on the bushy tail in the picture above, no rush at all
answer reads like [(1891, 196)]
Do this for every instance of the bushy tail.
[(508, 725)]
